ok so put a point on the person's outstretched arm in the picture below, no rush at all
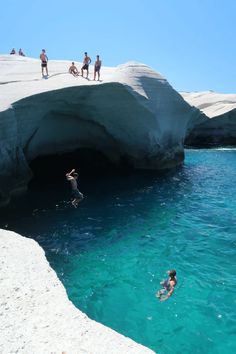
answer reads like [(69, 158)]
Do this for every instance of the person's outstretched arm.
[(69, 173)]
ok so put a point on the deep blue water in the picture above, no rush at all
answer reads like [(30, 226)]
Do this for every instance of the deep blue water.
[(112, 252)]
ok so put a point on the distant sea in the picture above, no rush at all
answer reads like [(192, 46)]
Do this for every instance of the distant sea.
[(112, 252)]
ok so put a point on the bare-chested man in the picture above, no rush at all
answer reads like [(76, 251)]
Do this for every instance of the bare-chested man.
[(73, 69), (97, 67), (167, 286), (77, 196), (87, 60), (44, 62)]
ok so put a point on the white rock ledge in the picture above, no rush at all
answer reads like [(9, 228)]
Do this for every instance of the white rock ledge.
[(217, 125), (211, 103), (133, 115), (36, 314)]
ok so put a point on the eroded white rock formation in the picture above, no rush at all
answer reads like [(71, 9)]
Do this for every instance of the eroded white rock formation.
[(36, 315), (218, 124), (132, 115)]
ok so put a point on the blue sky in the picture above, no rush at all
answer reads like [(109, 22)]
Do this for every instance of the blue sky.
[(191, 42)]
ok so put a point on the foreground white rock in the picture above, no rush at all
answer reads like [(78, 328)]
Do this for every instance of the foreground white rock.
[(218, 122), (36, 315), (134, 115)]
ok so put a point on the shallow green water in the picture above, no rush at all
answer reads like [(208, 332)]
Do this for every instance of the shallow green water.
[(114, 249)]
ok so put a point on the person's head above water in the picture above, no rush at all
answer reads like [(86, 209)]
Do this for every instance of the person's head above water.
[(75, 175), (171, 273)]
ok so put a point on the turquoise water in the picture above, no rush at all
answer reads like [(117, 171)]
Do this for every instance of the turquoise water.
[(112, 252)]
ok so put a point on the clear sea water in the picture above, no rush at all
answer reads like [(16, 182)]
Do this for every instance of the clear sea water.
[(112, 252)]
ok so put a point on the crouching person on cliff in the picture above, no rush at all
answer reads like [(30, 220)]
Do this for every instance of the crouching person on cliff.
[(73, 70), (77, 196)]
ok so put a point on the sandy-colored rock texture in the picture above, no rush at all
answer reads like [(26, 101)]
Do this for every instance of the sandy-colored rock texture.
[(36, 314)]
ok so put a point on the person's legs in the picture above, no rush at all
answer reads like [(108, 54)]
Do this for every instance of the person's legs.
[(98, 75), (44, 67), (74, 203), (77, 197), (160, 293), (87, 73)]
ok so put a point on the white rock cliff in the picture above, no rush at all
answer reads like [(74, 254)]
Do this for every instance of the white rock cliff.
[(217, 125), (36, 314), (132, 115)]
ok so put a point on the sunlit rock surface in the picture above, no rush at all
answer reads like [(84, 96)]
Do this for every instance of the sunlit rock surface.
[(36, 315), (218, 123), (132, 116)]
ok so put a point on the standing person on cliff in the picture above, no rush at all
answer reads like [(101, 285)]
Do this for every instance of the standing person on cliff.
[(87, 60), (44, 62), (97, 67)]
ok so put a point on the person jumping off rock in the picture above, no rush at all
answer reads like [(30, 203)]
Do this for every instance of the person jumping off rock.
[(77, 196)]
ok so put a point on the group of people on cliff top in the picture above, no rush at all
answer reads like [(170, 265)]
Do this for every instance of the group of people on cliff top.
[(73, 69), (87, 60), (20, 52)]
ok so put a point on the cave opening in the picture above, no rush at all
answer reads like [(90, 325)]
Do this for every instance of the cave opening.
[(89, 163)]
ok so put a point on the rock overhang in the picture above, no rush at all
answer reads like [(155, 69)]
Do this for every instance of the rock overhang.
[(217, 125), (133, 114)]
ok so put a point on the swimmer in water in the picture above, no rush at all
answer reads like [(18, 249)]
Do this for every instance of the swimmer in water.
[(168, 286)]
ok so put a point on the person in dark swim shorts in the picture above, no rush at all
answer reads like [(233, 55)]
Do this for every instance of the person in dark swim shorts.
[(77, 196), (44, 62), (97, 67), (87, 60)]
